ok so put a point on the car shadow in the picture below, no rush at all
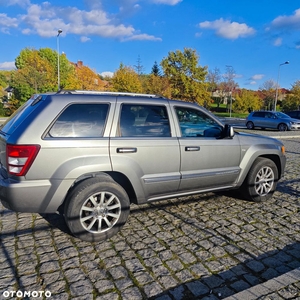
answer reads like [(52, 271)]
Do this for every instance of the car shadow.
[(251, 272)]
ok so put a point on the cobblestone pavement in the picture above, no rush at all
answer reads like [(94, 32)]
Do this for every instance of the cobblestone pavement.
[(209, 246)]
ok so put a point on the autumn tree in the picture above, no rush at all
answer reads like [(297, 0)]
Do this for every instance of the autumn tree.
[(292, 100), (186, 77), (246, 101), (4, 81), (213, 79), (268, 90), (86, 79), (157, 85), (229, 85), (125, 79)]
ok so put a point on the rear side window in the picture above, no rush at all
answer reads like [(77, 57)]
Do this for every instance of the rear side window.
[(17, 117), (144, 121), (80, 121), (259, 114)]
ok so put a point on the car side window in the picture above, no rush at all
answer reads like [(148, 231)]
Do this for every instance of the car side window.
[(144, 121), (269, 116), (259, 114), (195, 123), (80, 121)]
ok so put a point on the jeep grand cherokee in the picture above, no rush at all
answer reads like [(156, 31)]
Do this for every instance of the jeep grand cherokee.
[(92, 154)]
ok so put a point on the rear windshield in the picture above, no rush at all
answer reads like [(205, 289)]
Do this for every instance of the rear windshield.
[(18, 116)]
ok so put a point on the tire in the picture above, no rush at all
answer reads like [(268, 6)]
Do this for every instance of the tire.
[(261, 180), (96, 209), (250, 125), (282, 127)]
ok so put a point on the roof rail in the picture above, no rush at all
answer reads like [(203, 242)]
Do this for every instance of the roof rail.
[(108, 93)]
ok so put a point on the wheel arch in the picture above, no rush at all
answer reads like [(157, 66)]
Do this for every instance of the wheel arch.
[(276, 160), (283, 123), (248, 163), (118, 177)]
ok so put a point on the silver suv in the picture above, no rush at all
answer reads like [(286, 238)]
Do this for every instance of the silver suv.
[(91, 154)]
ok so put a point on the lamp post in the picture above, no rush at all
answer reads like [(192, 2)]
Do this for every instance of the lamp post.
[(276, 96), (230, 76), (59, 31)]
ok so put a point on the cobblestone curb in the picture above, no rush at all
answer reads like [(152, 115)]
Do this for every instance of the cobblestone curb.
[(286, 286)]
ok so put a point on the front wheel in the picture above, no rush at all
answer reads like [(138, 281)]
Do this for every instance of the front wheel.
[(282, 127), (261, 180), (96, 209), (250, 125)]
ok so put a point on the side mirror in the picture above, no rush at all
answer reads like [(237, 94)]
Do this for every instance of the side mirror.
[(228, 132)]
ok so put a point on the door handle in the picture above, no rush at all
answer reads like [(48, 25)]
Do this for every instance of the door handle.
[(192, 148), (126, 150)]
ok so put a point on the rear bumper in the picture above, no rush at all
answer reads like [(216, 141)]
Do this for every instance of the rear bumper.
[(27, 196)]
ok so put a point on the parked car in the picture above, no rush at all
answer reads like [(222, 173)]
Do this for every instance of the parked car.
[(272, 120), (293, 114), (90, 155)]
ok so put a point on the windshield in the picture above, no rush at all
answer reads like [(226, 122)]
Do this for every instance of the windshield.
[(281, 115)]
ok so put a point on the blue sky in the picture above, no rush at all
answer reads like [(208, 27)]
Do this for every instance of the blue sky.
[(254, 37)]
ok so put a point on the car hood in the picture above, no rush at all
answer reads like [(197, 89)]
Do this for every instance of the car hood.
[(250, 138), (293, 120)]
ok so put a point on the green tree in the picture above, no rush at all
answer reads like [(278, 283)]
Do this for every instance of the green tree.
[(67, 71), (292, 100), (4, 83), (34, 75), (186, 76), (125, 79), (155, 70)]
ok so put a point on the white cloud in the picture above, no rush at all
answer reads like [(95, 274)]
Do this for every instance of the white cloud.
[(142, 37), (44, 19), (8, 65), (257, 77), (287, 22), (22, 3), (167, 2), (84, 39), (278, 42), (6, 23), (227, 29), (107, 74)]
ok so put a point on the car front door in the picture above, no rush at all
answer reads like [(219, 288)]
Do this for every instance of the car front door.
[(144, 149), (207, 160)]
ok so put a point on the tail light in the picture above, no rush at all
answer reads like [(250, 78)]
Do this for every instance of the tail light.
[(20, 158)]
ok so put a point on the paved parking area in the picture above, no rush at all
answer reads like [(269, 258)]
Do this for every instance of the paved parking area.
[(209, 246)]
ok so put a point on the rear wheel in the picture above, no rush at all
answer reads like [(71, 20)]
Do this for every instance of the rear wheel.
[(261, 180), (282, 127), (250, 125), (96, 209)]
